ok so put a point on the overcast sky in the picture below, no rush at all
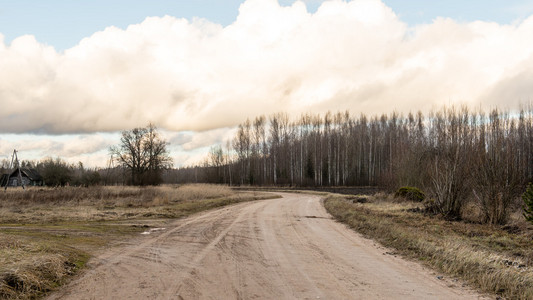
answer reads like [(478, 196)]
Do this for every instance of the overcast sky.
[(74, 73)]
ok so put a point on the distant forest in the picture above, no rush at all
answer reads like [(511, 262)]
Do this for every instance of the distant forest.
[(453, 154)]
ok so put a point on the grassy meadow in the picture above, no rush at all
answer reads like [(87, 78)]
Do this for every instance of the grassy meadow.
[(47, 234), (494, 259)]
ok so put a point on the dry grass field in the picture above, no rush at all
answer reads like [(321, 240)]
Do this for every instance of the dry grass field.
[(494, 259), (48, 234)]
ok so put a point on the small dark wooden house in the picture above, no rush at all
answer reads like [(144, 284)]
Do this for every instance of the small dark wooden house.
[(30, 177)]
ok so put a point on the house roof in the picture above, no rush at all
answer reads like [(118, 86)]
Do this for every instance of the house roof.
[(32, 174)]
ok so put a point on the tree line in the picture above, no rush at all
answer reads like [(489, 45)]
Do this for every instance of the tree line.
[(57, 172), (139, 159), (453, 154)]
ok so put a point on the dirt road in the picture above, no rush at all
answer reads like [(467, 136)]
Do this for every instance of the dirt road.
[(287, 248)]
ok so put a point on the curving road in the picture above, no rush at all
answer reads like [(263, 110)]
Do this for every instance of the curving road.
[(286, 248)]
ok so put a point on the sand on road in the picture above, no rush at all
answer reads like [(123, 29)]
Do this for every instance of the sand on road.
[(287, 248)]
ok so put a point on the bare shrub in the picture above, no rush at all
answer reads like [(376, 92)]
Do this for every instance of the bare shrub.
[(448, 160), (449, 184), (496, 177)]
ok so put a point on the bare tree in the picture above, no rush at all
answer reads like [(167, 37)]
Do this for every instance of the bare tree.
[(158, 156), (144, 153)]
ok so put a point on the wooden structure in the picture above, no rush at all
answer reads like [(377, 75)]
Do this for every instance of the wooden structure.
[(23, 177), (20, 176)]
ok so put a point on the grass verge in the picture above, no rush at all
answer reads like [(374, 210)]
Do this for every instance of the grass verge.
[(488, 258), (48, 235)]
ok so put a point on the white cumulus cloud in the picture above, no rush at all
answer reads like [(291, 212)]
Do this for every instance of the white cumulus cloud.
[(200, 76)]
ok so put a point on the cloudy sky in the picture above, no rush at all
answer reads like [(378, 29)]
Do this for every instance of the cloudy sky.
[(75, 73)]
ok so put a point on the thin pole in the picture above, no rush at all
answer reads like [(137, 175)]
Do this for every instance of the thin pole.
[(20, 172)]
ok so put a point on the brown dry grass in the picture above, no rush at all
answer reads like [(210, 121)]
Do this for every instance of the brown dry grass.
[(487, 257), (29, 268), (48, 205), (47, 234)]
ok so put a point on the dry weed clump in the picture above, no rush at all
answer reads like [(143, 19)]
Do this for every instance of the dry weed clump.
[(382, 196), (37, 276), (487, 257), (29, 269)]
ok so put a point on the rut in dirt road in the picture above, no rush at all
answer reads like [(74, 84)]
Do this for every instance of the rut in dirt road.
[(286, 248)]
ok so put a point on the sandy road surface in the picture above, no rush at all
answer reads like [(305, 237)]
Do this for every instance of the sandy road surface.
[(285, 248)]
